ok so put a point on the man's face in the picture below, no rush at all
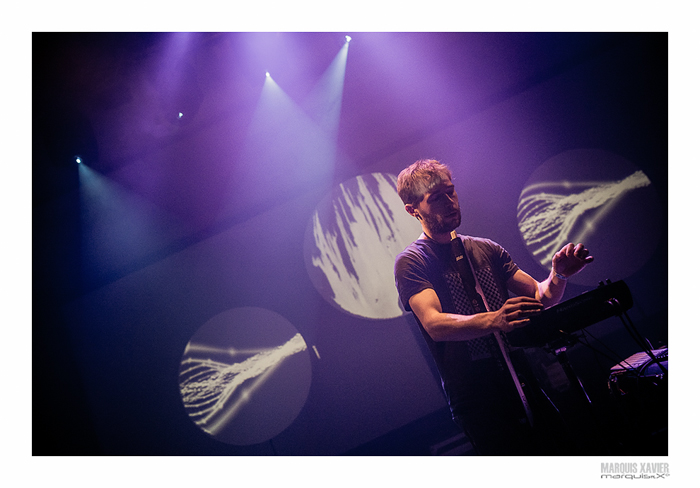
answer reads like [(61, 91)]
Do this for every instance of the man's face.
[(439, 209)]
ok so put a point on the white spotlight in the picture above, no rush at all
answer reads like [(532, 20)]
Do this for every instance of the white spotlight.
[(347, 38), (180, 115), (78, 159), (267, 74)]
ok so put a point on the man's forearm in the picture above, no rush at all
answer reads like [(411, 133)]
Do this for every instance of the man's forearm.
[(456, 327), (551, 290)]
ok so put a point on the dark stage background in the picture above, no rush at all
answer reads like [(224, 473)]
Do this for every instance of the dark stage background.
[(222, 239)]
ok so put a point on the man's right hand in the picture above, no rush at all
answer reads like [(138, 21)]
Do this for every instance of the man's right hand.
[(516, 312)]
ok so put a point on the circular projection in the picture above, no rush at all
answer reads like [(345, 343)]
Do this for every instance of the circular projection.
[(352, 241), (595, 197), (245, 375)]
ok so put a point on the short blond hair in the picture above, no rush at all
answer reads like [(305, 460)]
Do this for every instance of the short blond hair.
[(419, 178)]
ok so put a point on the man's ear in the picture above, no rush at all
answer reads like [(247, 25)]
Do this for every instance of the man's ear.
[(412, 211)]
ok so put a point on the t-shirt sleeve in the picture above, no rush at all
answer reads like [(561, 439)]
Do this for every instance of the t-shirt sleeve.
[(411, 277), (502, 262)]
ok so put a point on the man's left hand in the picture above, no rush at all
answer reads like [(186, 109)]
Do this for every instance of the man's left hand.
[(571, 259)]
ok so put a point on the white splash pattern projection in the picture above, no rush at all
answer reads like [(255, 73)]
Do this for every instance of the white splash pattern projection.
[(547, 221), (213, 391), (358, 242)]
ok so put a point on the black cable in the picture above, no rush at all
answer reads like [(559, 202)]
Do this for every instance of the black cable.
[(636, 336), (573, 340), (618, 359)]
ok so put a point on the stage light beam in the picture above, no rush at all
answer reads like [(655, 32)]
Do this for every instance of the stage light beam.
[(324, 102)]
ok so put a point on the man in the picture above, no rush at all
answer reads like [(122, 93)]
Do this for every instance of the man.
[(486, 397)]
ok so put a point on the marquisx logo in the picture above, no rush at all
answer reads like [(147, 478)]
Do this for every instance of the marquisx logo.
[(633, 471)]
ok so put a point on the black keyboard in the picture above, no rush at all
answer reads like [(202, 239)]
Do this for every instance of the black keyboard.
[(557, 322)]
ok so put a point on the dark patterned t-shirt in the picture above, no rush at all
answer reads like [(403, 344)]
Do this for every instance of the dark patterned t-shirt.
[(428, 264)]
